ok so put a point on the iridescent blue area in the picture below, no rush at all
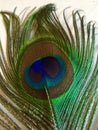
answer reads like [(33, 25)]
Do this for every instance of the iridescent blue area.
[(45, 72)]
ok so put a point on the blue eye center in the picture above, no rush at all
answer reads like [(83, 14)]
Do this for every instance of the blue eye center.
[(45, 72)]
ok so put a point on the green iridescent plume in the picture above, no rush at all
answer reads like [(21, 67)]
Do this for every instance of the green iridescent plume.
[(49, 73)]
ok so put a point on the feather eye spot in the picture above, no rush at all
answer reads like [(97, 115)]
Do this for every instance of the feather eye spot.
[(46, 68)]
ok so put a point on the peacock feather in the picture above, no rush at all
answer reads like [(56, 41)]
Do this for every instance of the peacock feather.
[(49, 73)]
